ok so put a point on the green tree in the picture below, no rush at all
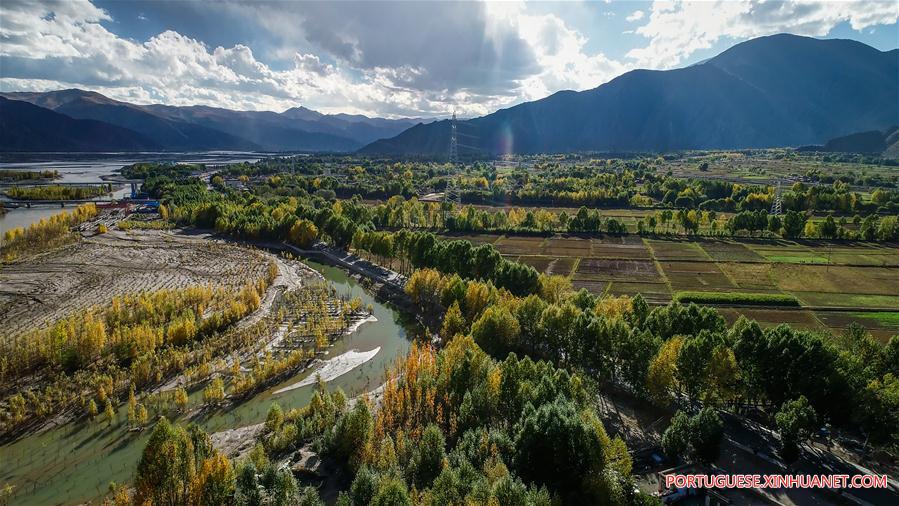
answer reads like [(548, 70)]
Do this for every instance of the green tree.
[(793, 224), (796, 421), (364, 487), (698, 436), (349, 437), (427, 460), (248, 492), (557, 447), (285, 491), (496, 331), (391, 492), (828, 228), (310, 496), (676, 438), (706, 432), (167, 468)]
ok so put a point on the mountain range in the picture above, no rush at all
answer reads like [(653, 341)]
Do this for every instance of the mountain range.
[(131, 127), (781, 90), (27, 127), (873, 142)]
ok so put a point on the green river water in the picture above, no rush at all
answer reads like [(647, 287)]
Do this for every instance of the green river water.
[(76, 462)]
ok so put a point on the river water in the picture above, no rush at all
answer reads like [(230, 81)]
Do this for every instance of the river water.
[(76, 462), (90, 167)]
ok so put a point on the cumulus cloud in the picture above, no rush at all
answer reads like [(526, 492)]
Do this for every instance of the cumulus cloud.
[(562, 58), (677, 29), (376, 58), (388, 58)]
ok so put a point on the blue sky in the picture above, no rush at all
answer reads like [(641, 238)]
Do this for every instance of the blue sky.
[(411, 58)]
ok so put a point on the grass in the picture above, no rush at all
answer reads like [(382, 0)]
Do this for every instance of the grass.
[(747, 299), (885, 318), (850, 300), (796, 259)]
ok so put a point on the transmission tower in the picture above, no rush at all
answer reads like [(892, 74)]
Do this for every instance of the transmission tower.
[(452, 197), (777, 205), (454, 142), (452, 194)]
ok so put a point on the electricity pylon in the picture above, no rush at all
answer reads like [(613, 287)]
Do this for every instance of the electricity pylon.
[(454, 142), (777, 205)]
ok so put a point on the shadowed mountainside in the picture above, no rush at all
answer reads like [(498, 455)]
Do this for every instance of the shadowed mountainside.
[(211, 128), (27, 127), (782, 90)]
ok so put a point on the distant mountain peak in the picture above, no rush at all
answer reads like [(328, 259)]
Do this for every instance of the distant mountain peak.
[(28, 127), (779, 90), (202, 127), (303, 113)]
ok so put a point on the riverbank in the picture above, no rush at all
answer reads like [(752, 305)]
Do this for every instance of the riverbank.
[(46, 288), (75, 462)]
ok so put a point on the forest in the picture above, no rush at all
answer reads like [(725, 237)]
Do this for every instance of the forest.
[(641, 182), (454, 426), (498, 402), (502, 325)]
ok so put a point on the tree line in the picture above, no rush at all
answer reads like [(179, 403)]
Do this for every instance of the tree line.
[(58, 192), (46, 234)]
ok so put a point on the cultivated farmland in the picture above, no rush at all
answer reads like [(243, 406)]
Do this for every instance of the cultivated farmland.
[(835, 283)]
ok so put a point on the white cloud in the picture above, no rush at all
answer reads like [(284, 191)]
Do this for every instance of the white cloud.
[(677, 29), (387, 59), (564, 63)]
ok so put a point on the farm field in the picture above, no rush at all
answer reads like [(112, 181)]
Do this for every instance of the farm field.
[(835, 283), (761, 167)]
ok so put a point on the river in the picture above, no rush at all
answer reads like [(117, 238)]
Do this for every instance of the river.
[(76, 462), (90, 167)]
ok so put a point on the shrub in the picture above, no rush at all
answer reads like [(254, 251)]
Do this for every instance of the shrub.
[(745, 299)]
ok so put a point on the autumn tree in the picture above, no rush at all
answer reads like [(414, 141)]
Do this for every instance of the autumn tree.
[(303, 233), (553, 289), (214, 391), (661, 377), (453, 323), (181, 398)]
